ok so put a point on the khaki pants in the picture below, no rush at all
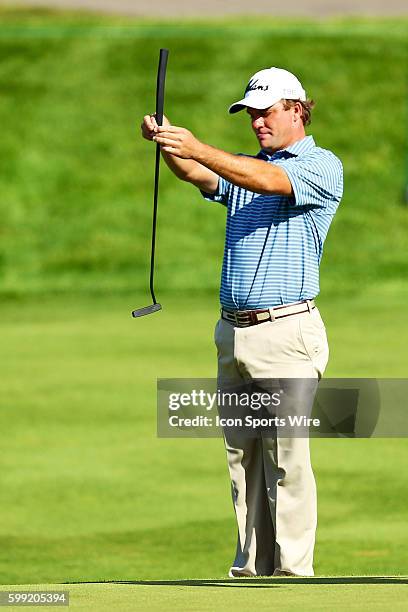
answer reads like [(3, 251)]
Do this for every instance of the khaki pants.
[(273, 486)]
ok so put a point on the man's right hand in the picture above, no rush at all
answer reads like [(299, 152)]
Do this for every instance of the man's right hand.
[(149, 126)]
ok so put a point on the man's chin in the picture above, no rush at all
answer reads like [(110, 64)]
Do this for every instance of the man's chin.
[(269, 146), (266, 144)]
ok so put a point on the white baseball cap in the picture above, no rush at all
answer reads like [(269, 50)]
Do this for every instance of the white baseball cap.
[(267, 87)]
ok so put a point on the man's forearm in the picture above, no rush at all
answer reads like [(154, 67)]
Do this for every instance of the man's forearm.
[(192, 171), (182, 168), (253, 174)]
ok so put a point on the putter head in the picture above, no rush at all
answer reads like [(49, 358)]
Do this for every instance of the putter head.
[(141, 312)]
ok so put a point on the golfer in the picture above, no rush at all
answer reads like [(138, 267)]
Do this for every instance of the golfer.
[(279, 206)]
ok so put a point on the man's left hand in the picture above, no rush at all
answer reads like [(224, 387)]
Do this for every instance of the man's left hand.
[(178, 141)]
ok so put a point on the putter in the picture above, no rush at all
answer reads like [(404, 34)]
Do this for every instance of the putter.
[(161, 78)]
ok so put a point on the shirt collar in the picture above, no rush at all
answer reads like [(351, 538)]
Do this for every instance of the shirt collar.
[(297, 148)]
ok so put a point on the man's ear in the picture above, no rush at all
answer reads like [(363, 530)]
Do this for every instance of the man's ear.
[(297, 113)]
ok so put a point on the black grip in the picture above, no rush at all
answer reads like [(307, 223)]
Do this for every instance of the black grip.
[(161, 79)]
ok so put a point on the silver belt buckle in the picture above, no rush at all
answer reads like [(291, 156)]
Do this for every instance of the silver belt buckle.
[(265, 316)]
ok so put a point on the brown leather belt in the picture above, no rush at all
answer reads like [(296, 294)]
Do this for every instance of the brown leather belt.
[(246, 318)]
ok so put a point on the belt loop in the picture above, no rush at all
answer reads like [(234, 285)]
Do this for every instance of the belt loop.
[(308, 306), (271, 314)]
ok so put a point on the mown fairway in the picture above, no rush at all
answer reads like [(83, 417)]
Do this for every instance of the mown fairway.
[(92, 494), (89, 493)]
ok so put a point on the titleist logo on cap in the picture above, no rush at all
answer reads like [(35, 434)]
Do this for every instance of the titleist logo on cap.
[(291, 92)]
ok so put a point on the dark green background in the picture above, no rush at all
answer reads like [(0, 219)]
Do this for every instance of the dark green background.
[(76, 180)]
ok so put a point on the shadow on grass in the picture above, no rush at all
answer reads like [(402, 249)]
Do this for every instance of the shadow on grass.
[(259, 582)]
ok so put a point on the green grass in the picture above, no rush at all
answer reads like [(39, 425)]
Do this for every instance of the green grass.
[(205, 596), (76, 178), (90, 493)]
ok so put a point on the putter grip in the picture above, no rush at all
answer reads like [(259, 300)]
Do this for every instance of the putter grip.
[(161, 79)]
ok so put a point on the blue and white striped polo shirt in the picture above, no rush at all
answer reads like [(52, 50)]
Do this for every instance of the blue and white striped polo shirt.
[(274, 243)]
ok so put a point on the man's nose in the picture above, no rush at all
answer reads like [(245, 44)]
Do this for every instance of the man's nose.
[(258, 122)]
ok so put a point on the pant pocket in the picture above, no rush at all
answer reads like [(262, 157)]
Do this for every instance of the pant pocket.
[(314, 340)]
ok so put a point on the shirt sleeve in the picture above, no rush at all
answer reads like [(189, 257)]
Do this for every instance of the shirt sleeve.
[(316, 181), (221, 195)]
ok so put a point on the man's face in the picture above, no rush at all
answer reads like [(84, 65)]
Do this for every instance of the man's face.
[(275, 127)]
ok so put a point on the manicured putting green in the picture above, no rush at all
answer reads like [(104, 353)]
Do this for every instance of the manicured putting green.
[(289, 594)]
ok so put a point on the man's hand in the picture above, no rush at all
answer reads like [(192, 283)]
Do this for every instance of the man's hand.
[(177, 141), (180, 162), (149, 126)]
